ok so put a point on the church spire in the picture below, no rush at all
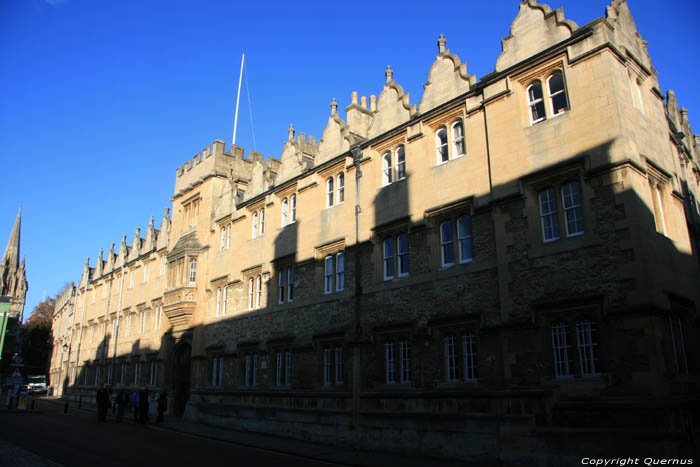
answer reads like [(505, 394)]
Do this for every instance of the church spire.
[(11, 256)]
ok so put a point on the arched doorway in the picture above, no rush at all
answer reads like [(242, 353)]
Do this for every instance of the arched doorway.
[(181, 374)]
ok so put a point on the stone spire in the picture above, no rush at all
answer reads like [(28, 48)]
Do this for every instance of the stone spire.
[(11, 256)]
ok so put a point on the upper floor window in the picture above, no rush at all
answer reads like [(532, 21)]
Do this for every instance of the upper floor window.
[(386, 169), (283, 375), (217, 371), (251, 369), (258, 291), (340, 188), (285, 285), (400, 155), (329, 192), (224, 300), (293, 208), (458, 148), (441, 146), (333, 365), (464, 240), (573, 211), (223, 238), (251, 292), (191, 212), (218, 301), (255, 224), (193, 270), (400, 363), (334, 272), (656, 191), (535, 102), (395, 256), (228, 236), (262, 221), (285, 212), (557, 93), (636, 93)]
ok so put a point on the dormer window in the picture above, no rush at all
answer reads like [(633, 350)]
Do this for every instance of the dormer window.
[(535, 102), (557, 94), (441, 146)]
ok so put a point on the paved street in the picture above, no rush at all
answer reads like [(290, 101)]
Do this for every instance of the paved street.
[(47, 437)]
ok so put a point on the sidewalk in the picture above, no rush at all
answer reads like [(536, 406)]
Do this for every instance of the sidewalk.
[(332, 454)]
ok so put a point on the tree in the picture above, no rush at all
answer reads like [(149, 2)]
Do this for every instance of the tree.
[(37, 339)]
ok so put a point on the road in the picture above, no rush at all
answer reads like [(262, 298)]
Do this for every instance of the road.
[(78, 439)]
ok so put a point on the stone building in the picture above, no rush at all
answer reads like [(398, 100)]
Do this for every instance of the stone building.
[(13, 293), (506, 269)]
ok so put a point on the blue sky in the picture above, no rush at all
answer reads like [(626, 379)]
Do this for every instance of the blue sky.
[(101, 101)]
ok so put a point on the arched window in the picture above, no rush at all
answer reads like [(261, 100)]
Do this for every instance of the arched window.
[(340, 188), (258, 291), (255, 224), (557, 93), (441, 145), (386, 169), (285, 211), (573, 208), (293, 213), (458, 139), (329, 192), (400, 163), (262, 221), (536, 102), (549, 216)]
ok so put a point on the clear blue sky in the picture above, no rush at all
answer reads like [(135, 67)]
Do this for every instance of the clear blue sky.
[(100, 101)]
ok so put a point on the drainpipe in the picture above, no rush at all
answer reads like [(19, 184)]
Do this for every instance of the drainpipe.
[(357, 333)]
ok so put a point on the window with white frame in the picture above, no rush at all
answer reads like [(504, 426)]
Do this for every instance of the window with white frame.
[(397, 366), (460, 354), (571, 205), (340, 188), (217, 371), (251, 369), (447, 253), (228, 235), (464, 238), (283, 373), (558, 102), (441, 148), (258, 291), (224, 300), (132, 274), (586, 351), (146, 271), (158, 317), (218, 301), (153, 373), (458, 147), (395, 256), (333, 365), (285, 212), (127, 325), (334, 273), (285, 284), (251, 292), (329, 192), (193, 270), (293, 208), (223, 239), (262, 221), (387, 171), (142, 321), (255, 225), (535, 102), (400, 157)]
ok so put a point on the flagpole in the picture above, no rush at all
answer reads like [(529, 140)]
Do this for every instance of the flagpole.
[(238, 98)]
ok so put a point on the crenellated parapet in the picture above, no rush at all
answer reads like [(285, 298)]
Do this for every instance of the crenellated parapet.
[(211, 161)]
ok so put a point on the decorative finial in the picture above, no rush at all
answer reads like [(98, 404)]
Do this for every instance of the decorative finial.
[(167, 212), (373, 103), (150, 222), (354, 98), (442, 42), (389, 74), (291, 132), (334, 107)]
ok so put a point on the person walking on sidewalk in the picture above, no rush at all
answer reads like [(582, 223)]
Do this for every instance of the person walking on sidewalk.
[(135, 404), (102, 404), (121, 404), (143, 406), (162, 406)]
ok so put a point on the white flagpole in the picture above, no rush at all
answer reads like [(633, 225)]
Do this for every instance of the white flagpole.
[(238, 98)]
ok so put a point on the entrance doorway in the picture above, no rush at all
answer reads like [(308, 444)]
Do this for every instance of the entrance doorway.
[(183, 351)]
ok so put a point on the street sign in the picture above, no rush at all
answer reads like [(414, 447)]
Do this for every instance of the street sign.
[(16, 374)]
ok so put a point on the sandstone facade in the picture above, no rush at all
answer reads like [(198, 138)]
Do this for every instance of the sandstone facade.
[(509, 262)]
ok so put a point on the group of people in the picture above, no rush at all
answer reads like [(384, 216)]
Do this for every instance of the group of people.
[(139, 400)]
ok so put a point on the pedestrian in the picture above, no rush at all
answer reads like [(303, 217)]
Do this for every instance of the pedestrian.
[(135, 404), (102, 403), (162, 406), (143, 406), (121, 404)]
